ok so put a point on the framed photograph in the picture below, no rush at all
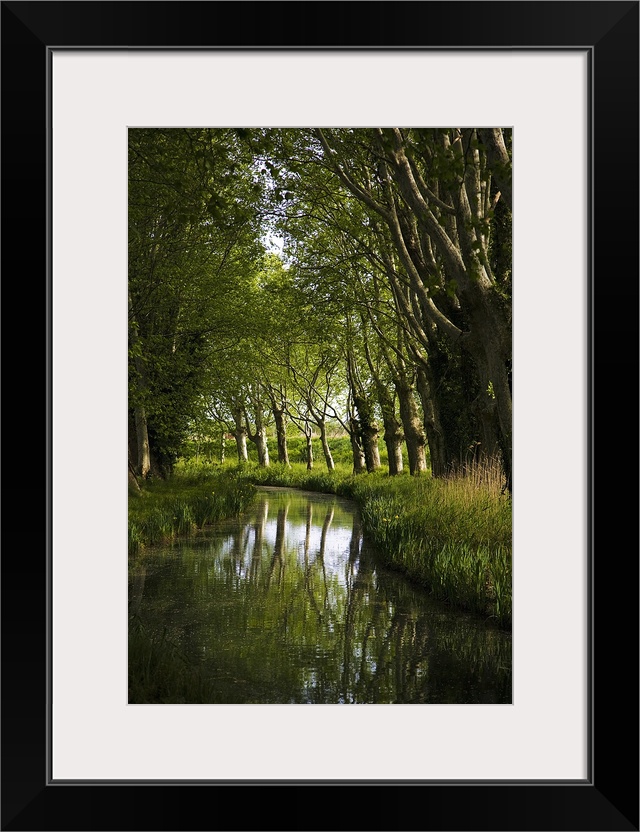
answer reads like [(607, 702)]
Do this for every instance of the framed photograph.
[(560, 751)]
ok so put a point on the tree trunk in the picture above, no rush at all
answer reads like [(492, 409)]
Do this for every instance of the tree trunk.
[(143, 466), (132, 480), (259, 438), (143, 455), (326, 450), (281, 435), (262, 446), (412, 424), (393, 434), (502, 392), (432, 425), (370, 436), (240, 435), (484, 409), (308, 435), (393, 439), (498, 159), (359, 462), (369, 432), (241, 442), (489, 347)]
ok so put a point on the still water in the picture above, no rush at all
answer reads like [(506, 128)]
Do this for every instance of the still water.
[(288, 604)]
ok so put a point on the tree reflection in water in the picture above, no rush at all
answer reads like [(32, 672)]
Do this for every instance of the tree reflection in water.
[(288, 605)]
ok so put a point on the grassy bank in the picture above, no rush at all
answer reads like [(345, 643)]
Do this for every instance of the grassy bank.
[(164, 510), (451, 536)]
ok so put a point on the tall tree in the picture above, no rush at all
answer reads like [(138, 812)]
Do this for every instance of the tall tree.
[(193, 228), (434, 191)]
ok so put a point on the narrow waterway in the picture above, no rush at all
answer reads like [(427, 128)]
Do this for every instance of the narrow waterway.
[(288, 604)]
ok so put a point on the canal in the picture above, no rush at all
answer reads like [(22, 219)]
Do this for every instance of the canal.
[(288, 604)]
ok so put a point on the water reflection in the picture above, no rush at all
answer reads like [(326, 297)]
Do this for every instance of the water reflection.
[(288, 605)]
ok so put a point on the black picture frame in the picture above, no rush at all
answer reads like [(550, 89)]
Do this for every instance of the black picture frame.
[(608, 798)]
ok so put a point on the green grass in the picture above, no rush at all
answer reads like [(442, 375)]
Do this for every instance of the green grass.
[(164, 510)]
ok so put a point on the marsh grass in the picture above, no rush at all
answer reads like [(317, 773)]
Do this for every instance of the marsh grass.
[(452, 535), (164, 510)]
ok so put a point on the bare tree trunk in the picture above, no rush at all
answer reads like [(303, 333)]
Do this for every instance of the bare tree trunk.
[(484, 409), (142, 435), (326, 450), (393, 440), (359, 462), (502, 392), (432, 425), (241, 442), (498, 159), (412, 424), (262, 446), (393, 433), (281, 434), (259, 438), (143, 460), (240, 435), (370, 436), (308, 434), (368, 429)]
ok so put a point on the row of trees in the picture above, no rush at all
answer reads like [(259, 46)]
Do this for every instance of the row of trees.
[(388, 310)]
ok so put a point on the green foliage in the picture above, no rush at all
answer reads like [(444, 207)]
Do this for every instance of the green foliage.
[(186, 272)]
